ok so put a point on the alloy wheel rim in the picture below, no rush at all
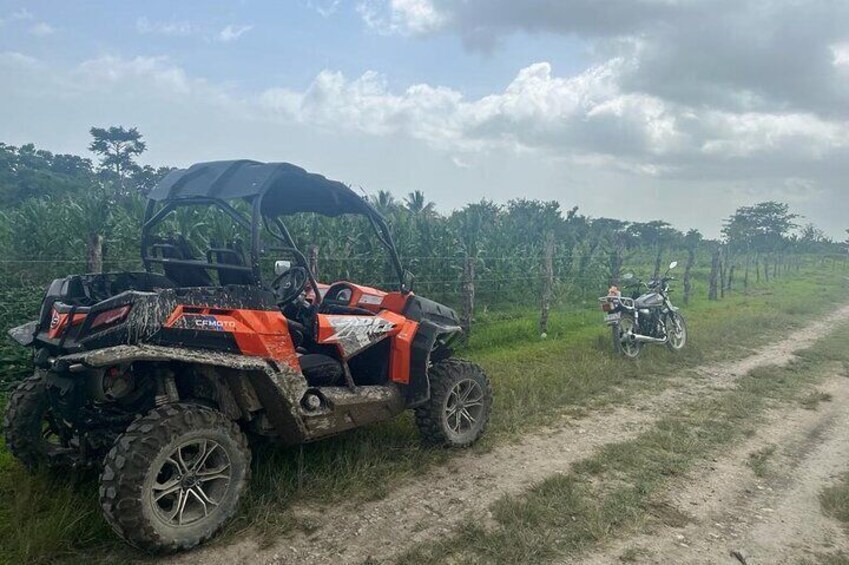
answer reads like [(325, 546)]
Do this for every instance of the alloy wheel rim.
[(629, 346), (191, 483), (678, 335), (464, 406)]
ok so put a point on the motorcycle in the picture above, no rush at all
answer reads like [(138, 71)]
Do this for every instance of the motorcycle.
[(645, 317)]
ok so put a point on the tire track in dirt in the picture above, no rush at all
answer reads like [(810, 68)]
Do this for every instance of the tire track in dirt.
[(424, 508), (771, 519)]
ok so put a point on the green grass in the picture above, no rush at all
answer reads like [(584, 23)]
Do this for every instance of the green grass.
[(759, 460), (621, 487), (812, 400), (48, 519), (834, 500)]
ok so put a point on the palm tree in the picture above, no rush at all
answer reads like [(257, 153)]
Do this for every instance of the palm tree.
[(385, 202), (417, 204)]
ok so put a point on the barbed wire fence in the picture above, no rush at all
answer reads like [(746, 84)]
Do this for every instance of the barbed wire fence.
[(503, 287)]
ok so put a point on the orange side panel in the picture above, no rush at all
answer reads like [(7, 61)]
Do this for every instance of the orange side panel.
[(399, 356), (395, 301), (346, 324), (326, 332), (59, 321), (261, 333), (366, 297), (270, 336)]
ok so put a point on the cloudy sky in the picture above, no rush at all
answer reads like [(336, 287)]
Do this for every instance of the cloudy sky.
[(639, 109)]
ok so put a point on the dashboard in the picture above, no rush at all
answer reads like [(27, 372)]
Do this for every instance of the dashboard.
[(339, 294)]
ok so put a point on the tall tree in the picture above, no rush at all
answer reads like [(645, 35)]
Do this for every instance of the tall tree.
[(763, 227), (385, 202), (118, 147), (143, 179), (656, 234), (28, 172), (417, 204)]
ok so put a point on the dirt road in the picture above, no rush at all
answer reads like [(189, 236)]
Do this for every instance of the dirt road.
[(769, 517), (432, 505)]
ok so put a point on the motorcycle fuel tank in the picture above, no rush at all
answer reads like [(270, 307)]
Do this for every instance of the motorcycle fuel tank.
[(650, 300)]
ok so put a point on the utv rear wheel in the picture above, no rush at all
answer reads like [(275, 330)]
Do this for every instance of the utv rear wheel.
[(460, 402), (174, 478), (33, 433)]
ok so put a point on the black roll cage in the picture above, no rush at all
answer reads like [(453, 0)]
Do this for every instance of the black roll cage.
[(253, 224)]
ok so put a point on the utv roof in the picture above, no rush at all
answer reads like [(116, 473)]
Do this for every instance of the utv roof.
[(284, 188)]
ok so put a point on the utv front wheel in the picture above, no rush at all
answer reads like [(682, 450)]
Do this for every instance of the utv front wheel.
[(459, 406), (174, 477), (33, 433)]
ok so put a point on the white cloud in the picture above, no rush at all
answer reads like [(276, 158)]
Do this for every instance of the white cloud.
[(42, 29), (173, 28), (233, 32), (841, 54), (587, 119), (536, 110), (325, 8), (580, 138), (417, 17), (18, 15), (743, 135), (168, 28), (15, 59), (111, 70)]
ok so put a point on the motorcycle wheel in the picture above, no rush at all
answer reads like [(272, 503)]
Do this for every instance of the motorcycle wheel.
[(621, 343), (676, 330)]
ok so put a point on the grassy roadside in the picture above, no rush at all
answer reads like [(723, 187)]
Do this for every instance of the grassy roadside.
[(835, 500), (621, 487), (48, 518)]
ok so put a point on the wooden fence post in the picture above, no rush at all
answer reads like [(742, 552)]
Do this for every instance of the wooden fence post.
[(312, 259), (468, 296), (547, 282), (688, 282), (94, 253), (714, 275)]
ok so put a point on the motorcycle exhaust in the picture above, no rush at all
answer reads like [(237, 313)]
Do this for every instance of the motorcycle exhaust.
[(647, 339)]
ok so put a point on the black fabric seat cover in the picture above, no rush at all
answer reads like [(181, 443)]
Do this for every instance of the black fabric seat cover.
[(185, 276)]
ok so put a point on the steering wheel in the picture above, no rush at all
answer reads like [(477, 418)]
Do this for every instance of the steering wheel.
[(290, 284)]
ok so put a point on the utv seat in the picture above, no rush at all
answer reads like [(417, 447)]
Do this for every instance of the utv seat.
[(230, 255), (183, 275), (321, 370)]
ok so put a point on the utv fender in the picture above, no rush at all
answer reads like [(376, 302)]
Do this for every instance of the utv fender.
[(278, 387), (418, 389), (24, 334)]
